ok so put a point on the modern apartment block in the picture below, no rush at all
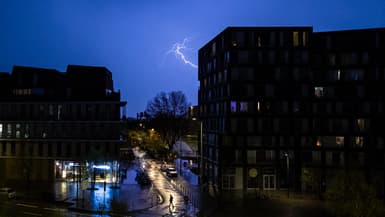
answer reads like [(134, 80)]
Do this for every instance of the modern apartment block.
[(286, 106), (53, 123)]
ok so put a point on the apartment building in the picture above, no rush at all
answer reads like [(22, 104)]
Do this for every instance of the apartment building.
[(286, 107), (53, 123)]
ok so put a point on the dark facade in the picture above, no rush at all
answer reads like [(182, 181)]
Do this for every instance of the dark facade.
[(286, 106), (47, 116)]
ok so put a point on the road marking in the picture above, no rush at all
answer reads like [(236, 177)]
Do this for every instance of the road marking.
[(26, 205), (55, 209), (33, 214)]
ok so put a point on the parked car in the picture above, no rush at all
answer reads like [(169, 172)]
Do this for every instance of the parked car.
[(171, 172), (8, 193)]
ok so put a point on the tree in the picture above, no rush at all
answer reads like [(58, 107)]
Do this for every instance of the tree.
[(349, 195), (168, 115)]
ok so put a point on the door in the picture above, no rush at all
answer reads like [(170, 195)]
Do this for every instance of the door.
[(268, 182)]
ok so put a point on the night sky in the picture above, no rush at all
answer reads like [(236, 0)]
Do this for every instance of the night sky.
[(132, 37)]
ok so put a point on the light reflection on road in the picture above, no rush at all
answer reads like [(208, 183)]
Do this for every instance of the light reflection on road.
[(165, 187)]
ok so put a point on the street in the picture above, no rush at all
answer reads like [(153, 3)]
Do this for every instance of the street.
[(166, 187), (130, 199), (15, 208)]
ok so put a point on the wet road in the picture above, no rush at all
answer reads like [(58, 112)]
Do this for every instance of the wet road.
[(15, 208), (161, 185), (166, 188)]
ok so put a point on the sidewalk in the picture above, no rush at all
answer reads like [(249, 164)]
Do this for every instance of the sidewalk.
[(123, 200), (128, 197), (276, 204)]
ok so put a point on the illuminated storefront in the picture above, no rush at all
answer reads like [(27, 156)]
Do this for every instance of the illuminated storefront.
[(87, 170)]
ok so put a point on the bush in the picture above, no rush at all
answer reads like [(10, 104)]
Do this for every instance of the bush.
[(349, 195)]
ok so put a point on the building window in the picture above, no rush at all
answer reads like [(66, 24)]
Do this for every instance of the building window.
[(295, 39), (50, 110), (270, 155), (304, 39), (227, 57), (361, 124), (316, 156), (1, 130), (251, 157), (9, 130), (319, 92), (233, 106), (26, 133), (243, 107), (17, 131), (238, 156), (69, 149), (338, 75), (359, 142), (243, 57), (254, 141), (59, 111), (332, 59), (228, 181), (380, 142), (59, 149), (340, 141)]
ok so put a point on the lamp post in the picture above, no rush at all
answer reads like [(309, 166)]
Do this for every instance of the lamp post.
[(288, 172)]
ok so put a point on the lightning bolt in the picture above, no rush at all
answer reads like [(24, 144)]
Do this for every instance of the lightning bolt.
[(177, 50)]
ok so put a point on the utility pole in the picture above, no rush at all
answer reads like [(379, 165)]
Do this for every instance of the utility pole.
[(288, 173)]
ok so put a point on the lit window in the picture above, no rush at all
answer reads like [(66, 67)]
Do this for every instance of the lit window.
[(59, 108), (233, 106), (295, 39), (243, 107), (17, 130), (338, 74), (361, 124), (304, 38), (227, 57), (359, 143), (1, 130), (340, 140), (319, 91), (9, 130), (26, 134), (258, 106)]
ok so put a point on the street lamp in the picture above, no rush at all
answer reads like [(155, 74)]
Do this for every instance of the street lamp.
[(286, 154)]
